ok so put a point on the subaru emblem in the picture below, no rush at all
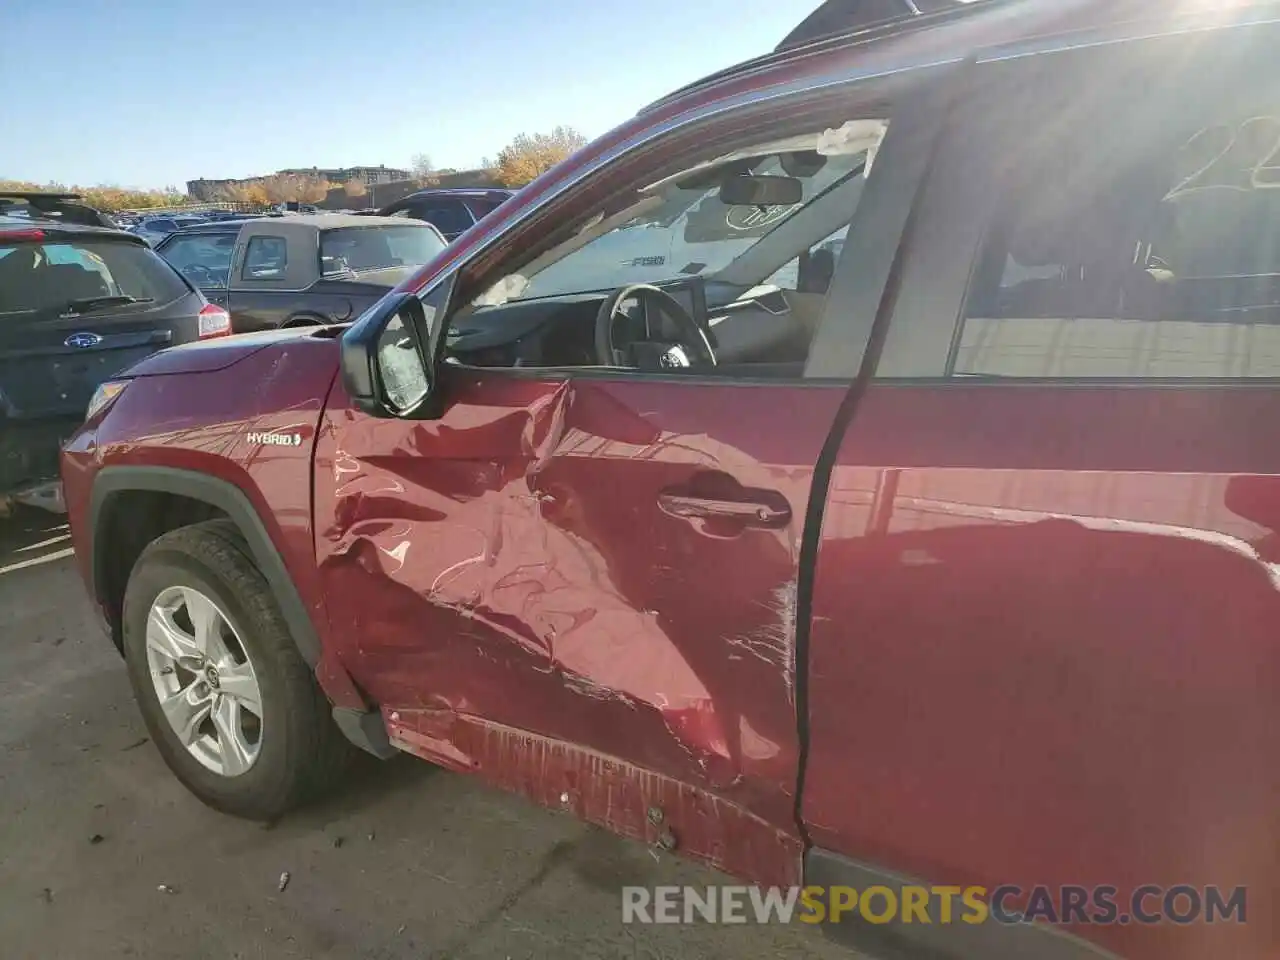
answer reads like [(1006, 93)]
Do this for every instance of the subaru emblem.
[(83, 341)]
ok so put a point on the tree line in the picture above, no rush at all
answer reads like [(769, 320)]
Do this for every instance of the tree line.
[(522, 160), (525, 158), (104, 197)]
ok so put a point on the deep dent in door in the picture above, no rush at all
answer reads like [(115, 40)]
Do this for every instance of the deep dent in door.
[(678, 730)]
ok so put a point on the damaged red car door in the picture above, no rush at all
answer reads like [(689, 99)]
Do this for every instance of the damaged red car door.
[(581, 582), (584, 587)]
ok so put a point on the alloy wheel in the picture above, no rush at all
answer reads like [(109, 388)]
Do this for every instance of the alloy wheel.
[(204, 680)]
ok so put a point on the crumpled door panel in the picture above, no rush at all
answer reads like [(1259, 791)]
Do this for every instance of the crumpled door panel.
[(507, 583)]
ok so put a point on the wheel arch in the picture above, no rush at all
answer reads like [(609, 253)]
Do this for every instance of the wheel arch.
[(112, 490)]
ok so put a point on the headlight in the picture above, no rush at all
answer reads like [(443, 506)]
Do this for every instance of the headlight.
[(104, 396)]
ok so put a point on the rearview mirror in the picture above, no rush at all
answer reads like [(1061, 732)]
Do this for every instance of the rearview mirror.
[(751, 190), (386, 366)]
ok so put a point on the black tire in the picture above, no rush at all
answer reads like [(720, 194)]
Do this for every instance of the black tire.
[(302, 752)]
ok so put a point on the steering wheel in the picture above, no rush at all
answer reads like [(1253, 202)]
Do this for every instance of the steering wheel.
[(655, 355)]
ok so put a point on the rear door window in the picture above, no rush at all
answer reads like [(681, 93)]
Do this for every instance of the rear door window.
[(266, 259), (1138, 236), (57, 277), (355, 249)]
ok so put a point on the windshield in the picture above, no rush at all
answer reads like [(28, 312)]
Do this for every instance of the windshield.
[(681, 227), (51, 277), (355, 249)]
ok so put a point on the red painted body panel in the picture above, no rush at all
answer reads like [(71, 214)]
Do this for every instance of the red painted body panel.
[(510, 564), (199, 420), (608, 791), (1044, 646), (208, 356)]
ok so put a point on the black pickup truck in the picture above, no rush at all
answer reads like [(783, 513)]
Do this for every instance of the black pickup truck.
[(302, 270)]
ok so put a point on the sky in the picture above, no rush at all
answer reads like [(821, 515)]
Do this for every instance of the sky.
[(147, 93)]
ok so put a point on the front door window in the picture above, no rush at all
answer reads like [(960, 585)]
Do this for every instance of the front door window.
[(752, 274), (204, 259)]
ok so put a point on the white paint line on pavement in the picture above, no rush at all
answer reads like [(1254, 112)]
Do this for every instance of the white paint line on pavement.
[(44, 543), (36, 561)]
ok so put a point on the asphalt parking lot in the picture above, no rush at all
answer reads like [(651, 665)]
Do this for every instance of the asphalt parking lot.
[(104, 854)]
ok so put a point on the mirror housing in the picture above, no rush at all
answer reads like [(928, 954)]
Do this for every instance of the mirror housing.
[(386, 358), (758, 190)]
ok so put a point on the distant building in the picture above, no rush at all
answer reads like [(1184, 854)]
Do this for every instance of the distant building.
[(206, 190), (379, 174)]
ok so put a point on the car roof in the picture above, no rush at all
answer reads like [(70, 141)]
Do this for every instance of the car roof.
[(289, 223), (835, 17), (216, 226), (331, 221), (486, 192), (951, 34)]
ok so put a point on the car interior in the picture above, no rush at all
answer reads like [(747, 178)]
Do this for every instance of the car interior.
[(720, 269), (35, 278)]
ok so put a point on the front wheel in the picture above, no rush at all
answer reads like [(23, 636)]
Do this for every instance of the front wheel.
[(228, 700)]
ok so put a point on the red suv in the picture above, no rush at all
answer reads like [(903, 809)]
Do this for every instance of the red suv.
[(857, 469)]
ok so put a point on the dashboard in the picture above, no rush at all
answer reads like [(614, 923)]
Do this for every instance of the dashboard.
[(760, 325)]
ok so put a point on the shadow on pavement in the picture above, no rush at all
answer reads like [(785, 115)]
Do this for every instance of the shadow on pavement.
[(367, 782), (29, 537)]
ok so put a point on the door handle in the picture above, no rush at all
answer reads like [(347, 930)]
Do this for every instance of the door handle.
[(757, 512)]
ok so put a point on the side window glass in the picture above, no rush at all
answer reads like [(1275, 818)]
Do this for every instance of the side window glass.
[(265, 259), (449, 216), (687, 225), (482, 207), (1142, 239), (205, 260), (737, 237)]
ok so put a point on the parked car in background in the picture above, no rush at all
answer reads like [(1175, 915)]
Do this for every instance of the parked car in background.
[(79, 302), (299, 270), (942, 577), (451, 210), (53, 207), (153, 229), (213, 215)]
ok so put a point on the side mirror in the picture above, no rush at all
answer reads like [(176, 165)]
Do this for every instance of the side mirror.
[(750, 190), (387, 358)]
